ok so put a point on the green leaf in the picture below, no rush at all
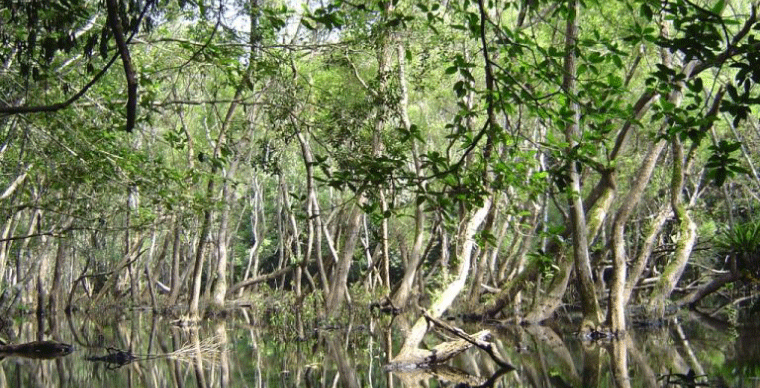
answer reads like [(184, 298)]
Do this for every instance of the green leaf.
[(646, 12), (617, 61), (718, 7), (595, 57)]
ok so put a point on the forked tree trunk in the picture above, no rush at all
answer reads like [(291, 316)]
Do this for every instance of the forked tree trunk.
[(314, 221), (410, 353), (221, 139), (618, 296), (617, 288), (335, 298)]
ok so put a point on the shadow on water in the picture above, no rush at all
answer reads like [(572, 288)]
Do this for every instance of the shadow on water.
[(137, 349)]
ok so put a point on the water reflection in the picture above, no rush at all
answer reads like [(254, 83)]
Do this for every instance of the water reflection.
[(115, 348)]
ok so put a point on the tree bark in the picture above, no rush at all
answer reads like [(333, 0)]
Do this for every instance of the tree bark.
[(121, 44), (55, 286), (401, 295), (313, 212), (687, 227), (6, 242)]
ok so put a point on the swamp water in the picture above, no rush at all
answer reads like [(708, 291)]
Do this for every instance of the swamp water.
[(138, 349)]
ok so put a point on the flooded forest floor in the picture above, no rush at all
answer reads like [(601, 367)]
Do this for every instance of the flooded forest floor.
[(260, 346)]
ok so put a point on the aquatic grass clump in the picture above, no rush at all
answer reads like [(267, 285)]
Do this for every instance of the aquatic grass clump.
[(208, 351)]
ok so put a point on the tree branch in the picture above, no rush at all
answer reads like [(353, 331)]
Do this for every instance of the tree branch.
[(16, 183), (13, 110), (259, 279), (121, 44)]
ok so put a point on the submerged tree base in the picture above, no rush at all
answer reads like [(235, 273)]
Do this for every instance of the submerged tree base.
[(423, 358)]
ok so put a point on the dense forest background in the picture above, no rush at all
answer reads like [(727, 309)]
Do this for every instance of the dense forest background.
[(507, 158)]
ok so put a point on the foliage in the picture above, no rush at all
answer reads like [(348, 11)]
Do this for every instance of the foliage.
[(743, 239), (742, 242), (721, 165), (402, 105)]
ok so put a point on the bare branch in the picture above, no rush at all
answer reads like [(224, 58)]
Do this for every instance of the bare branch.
[(16, 183)]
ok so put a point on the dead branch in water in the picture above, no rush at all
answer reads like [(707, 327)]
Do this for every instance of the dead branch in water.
[(481, 344)]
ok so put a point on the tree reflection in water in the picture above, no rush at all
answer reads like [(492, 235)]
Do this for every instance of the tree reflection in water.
[(136, 350)]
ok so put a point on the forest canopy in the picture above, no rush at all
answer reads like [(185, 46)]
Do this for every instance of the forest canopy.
[(504, 158)]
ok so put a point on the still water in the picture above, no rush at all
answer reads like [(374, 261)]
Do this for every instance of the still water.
[(139, 349)]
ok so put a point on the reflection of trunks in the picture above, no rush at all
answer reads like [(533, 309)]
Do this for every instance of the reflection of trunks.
[(38, 349)]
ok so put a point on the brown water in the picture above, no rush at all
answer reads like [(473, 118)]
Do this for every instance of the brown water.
[(137, 349)]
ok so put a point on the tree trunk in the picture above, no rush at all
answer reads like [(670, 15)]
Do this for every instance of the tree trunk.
[(401, 295), (545, 307), (686, 239), (592, 316), (220, 141), (55, 287), (616, 313), (227, 231), (6, 241), (174, 283), (452, 290), (687, 227), (223, 238), (314, 218), (195, 296), (645, 252), (619, 361), (338, 288), (340, 277)]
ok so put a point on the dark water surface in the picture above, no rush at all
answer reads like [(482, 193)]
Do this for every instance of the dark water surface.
[(138, 349)]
